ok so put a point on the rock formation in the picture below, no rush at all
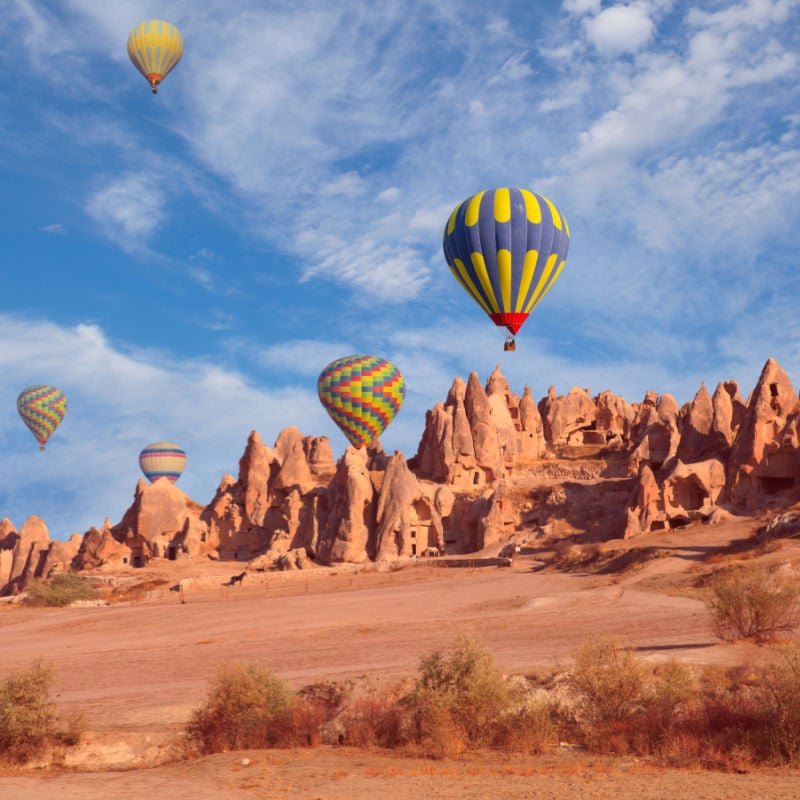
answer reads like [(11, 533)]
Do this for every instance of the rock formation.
[(490, 467), (764, 455)]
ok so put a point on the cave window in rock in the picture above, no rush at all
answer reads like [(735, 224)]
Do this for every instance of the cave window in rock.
[(768, 485), (476, 478), (689, 494), (658, 525), (773, 389), (171, 552)]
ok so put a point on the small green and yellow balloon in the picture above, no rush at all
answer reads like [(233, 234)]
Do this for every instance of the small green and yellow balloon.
[(362, 394), (42, 408)]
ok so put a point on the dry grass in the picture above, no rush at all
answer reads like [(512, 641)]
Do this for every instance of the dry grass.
[(60, 590)]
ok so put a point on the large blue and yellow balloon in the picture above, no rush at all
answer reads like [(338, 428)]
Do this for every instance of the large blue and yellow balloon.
[(155, 47), (42, 409), (362, 394), (506, 247)]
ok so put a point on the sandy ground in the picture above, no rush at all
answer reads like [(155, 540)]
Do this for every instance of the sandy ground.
[(136, 671), (341, 774)]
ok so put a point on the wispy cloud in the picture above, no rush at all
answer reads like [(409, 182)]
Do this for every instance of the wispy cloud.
[(129, 209), (56, 228)]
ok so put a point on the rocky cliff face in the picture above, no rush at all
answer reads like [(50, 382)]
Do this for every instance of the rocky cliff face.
[(490, 466)]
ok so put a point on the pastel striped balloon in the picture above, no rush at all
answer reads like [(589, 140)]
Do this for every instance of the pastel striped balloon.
[(155, 47), (362, 394), (42, 409), (162, 460)]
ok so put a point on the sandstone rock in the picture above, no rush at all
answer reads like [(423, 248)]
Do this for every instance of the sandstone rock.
[(60, 556), (29, 554), (646, 506), (151, 527), (484, 431), (99, 547), (532, 444), (501, 404), (691, 491), (350, 507), (408, 518), (566, 418), (763, 458), (319, 456), (695, 442)]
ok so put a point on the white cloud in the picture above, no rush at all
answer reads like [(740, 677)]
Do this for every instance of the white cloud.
[(56, 228), (580, 7), (307, 357), (129, 209), (392, 193), (119, 400), (620, 29)]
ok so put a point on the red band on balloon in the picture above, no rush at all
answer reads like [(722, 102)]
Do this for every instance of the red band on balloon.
[(511, 320)]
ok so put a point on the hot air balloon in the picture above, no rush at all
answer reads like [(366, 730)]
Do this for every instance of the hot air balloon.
[(42, 409), (506, 247), (155, 47), (362, 394), (162, 460)]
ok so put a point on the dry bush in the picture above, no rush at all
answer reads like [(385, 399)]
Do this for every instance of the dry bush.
[(29, 720), (621, 705), (456, 702), (247, 707), (781, 692), (533, 728), (609, 682), (60, 590), (753, 604), (463, 702), (376, 719)]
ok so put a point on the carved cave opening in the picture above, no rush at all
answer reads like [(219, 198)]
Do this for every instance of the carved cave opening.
[(689, 494), (774, 485)]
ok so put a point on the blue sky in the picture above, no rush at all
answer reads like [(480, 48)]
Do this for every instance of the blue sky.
[(184, 265)]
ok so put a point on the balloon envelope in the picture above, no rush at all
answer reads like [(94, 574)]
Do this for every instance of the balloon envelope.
[(42, 409), (155, 47), (362, 394), (506, 247), (162, 460)]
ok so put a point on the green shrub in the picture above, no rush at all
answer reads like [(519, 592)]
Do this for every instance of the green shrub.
[(60, 590), (753, 604), (247, 706), (29, 720)]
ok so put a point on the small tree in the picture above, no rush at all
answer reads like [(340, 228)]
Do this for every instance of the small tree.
[(29, 720), (458, 701), (609, 682), (247, 706), (753, 604)]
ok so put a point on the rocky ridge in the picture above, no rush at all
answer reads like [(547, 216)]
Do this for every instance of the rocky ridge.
[(491, 467)]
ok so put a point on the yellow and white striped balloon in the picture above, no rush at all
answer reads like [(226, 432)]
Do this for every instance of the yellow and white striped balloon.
[(155, 47), (162, 460)]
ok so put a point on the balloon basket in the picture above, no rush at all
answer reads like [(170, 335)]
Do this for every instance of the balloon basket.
[(510, 344)]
